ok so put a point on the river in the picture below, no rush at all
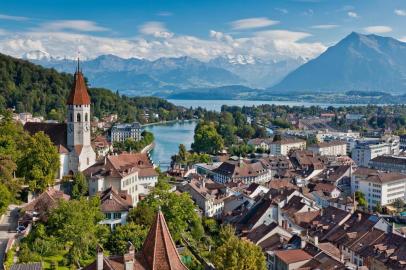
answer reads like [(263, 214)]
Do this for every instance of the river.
[(168, 136)]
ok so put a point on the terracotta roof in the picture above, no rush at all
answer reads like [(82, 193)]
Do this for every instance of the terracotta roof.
[(45, 201), (292, 255), (241, 168), (304, 218), (113, 201), (57, 132), (159, 250), (78, 94)]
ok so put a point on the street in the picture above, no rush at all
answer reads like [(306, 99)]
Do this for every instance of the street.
[(7, 229)]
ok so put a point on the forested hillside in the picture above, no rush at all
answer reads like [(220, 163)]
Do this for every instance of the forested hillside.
[(31, 88)]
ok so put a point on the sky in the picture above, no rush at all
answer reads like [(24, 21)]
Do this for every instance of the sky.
[(270, 30)]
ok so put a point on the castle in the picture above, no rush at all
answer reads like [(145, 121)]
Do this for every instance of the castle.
[(73, 138)]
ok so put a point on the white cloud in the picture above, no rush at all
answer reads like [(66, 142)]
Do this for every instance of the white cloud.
[(400, 12), (153, 44), (352, 14), (156, 29), (283, 35), (12, 18), (76, 25), (325, 26), (251, 23), (403, 39), (378, 29)]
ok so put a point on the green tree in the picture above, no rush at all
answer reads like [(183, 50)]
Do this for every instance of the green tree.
[(234, 254), (206, 138), (5, 198), (178, 209), (378, 208), (182, 152), (40, 162), (246, 132), (75, 223), (130, 232), (79, 185), (360, 198)]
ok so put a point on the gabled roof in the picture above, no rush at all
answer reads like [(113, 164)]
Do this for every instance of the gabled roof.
[(114, 201), (159, 251), (78, 94), (46, 201), (57, 132), (290, 256)]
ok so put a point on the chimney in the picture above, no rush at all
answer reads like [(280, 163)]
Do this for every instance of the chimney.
[(359, 217), (203, 183), (100, 256), (316, 241), (302, 244), (129, 257), (321, 212)]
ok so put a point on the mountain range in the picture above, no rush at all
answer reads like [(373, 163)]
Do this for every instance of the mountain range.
[(167, 76), (356, 63)]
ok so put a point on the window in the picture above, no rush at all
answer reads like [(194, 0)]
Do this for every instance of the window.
[(86, 117), (108, 215), (117, 215), (78, 117), (71, 117)]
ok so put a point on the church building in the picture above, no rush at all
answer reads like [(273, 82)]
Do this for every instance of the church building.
[(73, 138)]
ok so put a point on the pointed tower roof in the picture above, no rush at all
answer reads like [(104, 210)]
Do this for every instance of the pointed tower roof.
[(78, 95), (159, 251)]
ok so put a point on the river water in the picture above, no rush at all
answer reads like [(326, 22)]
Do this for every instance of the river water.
[(168, 136)]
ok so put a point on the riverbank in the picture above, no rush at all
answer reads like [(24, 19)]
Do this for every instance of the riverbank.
[(168, 122), (148, 148)]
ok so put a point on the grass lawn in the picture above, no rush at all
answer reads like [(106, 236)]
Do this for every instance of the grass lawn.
[(47, 263)]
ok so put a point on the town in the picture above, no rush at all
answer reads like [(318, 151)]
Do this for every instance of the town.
[(260, 186), (203, 135)]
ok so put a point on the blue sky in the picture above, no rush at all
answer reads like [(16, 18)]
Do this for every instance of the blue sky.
[(266, 29)]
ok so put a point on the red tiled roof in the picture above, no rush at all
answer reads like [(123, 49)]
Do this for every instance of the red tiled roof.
[(159, 250), (78, 94), (114, 201), (46, 201), (293, 255)]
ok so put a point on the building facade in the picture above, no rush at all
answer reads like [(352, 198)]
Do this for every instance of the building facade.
[(332, 148), (284, 146), (379, 187), (122, 132), (365, 151)]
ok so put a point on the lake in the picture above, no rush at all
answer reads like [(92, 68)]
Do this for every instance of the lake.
[(168, 136), (215, 105)]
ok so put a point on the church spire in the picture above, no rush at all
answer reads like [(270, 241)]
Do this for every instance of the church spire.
[(159, 251), (78, 94)]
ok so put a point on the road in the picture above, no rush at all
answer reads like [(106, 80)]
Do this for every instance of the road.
[(7, 229)]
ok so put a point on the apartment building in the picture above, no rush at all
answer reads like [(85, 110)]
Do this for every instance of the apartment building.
[(379, 187), (389, 163), (132, 173), (364, 151), (331, 148), (122, 132), (284, 146)]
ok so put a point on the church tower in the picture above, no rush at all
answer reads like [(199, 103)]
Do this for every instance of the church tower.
[(82, 154)]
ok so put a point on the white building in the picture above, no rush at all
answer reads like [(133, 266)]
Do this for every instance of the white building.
[(115, 207), (208, 195), (72, 139), (363, 152), (122, 132), (245, 171), (379, 187), (283, 147), (133, 173), (260, 143), (332, 148)]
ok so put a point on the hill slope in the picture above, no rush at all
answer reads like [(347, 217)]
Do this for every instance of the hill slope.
[(358, 62)]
